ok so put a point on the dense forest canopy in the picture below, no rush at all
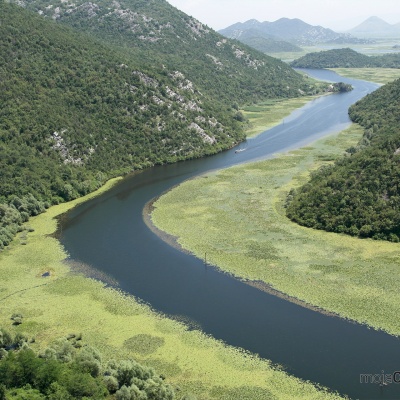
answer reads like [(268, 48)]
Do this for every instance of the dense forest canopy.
[(69, 369), (360, 193), (160, 34), (346, 58), (75, 113)]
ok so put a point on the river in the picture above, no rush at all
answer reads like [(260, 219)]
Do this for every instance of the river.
[(108, 233)]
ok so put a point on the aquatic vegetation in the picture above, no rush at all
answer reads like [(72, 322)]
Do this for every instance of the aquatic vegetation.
[(144, 344), (378, 75)]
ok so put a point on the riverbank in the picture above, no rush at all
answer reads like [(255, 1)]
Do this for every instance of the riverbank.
[(270, 113), (36, 282), (237, 217)]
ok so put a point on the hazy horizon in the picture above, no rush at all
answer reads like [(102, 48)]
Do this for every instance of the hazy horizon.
[(339, 15)]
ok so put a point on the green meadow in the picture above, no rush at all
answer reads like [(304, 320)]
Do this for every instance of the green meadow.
[(378, 75), (121, 327), (237, 217)]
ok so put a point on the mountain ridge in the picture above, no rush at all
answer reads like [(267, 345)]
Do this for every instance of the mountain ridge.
[(156, 31), (294, 31), (76, 112), (375, 27)]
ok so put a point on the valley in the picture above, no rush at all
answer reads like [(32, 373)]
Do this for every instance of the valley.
[(152, 174), (51, 307), (179, 284)]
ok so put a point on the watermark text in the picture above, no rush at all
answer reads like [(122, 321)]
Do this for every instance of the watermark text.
[(381, 379)]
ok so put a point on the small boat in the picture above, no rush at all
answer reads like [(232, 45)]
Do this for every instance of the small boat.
[(239, 150)]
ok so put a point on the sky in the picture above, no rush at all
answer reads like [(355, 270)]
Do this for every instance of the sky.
[(338, 15)]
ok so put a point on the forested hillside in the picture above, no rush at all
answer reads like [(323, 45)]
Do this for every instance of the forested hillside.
[(161, 35), (359, 194), (346, 58), (76, 111)]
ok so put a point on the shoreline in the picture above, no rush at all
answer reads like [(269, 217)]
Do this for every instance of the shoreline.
[(173, 241), (149, 208), (164, 236)]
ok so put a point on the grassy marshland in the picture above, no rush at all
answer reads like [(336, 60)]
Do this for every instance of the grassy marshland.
[(121, 327), (378, 75), (267, 114), (237, 216)]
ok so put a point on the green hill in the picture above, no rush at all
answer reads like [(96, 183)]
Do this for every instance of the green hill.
[(346, 58), (159, 34), (359, 194), (76, 111), (269, 45), (253, 34), (336, 58)]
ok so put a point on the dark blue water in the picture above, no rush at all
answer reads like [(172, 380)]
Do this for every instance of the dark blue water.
[(108, 233)]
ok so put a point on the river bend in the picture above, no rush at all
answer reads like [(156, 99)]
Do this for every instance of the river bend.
[(108, 233)]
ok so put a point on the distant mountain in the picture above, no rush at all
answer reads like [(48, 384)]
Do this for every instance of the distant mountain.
[(346, 58), (252, 34), (269, 45), (376, 27), (294, 31)]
